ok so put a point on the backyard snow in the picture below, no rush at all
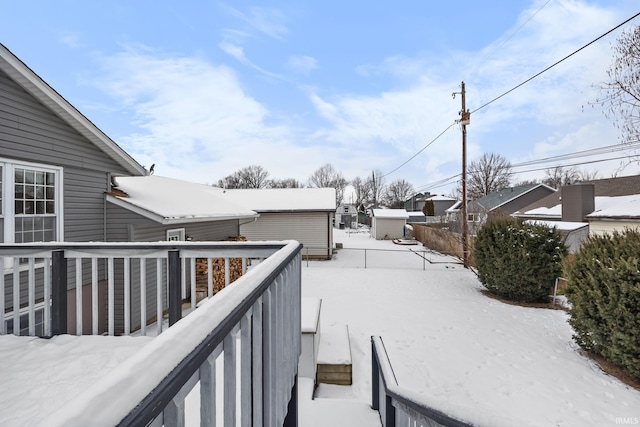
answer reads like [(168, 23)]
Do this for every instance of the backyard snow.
[(460, 352)]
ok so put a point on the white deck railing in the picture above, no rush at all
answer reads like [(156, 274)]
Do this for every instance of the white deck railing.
[(236, 353)]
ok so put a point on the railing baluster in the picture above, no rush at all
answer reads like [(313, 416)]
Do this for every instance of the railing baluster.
[(16, 296), (95, 312), (143, 296), (193, 284), (31, 298), (209, 277), (229, 346), (227, 272), (159, 305), (127, 295), (47, 297), (111, 298), (78, 296), (245, 370), (208, 389), (183, 278), (2, 302), (256, 363), (267, 346)]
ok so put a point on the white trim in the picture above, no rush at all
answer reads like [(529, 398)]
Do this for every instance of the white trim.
[(8, 183)]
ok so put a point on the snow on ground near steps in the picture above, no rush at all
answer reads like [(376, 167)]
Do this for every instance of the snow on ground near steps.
[(458, 351), (332, 412), (38, 376)]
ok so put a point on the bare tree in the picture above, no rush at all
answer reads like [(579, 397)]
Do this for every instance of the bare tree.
[(327, 177), (490, 173), (377, 187), (284, 183), (560, 176), (249, 177), (620, 96), (361, 190), (397, 192)]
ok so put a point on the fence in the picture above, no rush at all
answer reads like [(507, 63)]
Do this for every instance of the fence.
[(396, 405), (407, 257), (254, 326)]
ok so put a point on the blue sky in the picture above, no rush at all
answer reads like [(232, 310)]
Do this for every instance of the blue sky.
[(203, 88)]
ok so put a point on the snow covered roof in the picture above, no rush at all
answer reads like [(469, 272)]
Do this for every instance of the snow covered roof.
[(617, 207), (559, 225), (416, 214), (605, 207), (390, 213), (436, 198), (172, 201), (19, 72), (455, 207), (282, 199)]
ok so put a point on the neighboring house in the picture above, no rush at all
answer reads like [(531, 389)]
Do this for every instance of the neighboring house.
[(416, 202), (504, 202), (387, 224), (302, 214), (602, 205), (346, 216), (441, 204), (416, 218), (55, 165)]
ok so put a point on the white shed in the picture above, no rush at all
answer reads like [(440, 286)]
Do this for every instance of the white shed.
[(388, 223), (302, 214)]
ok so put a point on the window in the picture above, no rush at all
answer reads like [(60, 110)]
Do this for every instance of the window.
[(30, 203), (176, 235)]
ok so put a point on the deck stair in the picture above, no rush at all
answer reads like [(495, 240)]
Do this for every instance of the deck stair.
[(334, 356)]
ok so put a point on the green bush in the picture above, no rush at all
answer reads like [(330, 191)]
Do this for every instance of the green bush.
[(518, 261), (603, 287)]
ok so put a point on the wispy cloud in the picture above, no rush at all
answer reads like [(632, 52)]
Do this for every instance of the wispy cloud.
[(194, 119), (268, 21), (302, 64)]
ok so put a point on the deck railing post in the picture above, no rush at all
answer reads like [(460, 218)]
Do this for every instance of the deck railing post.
[(389, 412), (58, 293), (175, 287), (375, 378)]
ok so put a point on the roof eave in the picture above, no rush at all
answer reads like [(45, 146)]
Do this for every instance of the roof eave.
[(31, 82)]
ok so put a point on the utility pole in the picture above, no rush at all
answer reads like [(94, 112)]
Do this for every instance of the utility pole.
[(465, 117)]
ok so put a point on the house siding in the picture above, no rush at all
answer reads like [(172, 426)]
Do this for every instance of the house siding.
[(29, 131), (600, 227), (388, 228), (312, 229)]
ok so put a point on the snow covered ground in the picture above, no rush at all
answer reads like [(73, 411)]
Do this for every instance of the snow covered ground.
[(463, 353)]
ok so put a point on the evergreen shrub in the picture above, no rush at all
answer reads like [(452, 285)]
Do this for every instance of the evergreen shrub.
[(518, 261), (603, 287)]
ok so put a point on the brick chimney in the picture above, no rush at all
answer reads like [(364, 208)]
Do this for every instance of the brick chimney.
[(578, 201)]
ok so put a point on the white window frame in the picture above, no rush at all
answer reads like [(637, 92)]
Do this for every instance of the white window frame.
[(176, 235), (8, 195)]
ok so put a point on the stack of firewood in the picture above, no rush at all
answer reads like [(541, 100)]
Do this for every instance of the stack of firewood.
[(217, 264)]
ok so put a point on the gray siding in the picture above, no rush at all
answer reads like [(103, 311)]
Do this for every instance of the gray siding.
[(124, 225), (312, 229), (30, 131)]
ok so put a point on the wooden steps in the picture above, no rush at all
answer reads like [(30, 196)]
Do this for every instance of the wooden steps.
[(334, 356)]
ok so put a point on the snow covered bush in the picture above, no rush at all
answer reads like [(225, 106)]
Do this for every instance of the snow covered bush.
[(518, 261), (603, 287)]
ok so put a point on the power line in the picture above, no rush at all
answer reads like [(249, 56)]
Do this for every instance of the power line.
[(556, 63), (421, 150), (510, 36), (566, 156)]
